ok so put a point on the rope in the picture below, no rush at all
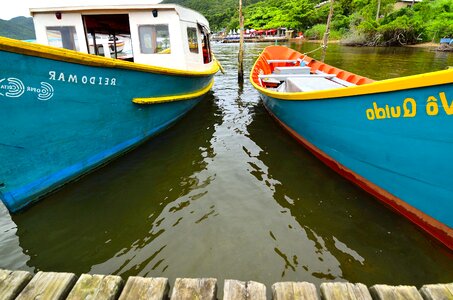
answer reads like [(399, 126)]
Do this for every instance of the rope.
[(321, 47)]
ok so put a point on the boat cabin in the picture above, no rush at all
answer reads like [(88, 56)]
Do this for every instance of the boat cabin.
[(165, 35)]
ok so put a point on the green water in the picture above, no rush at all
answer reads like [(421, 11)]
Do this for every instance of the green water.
[(226, 193)]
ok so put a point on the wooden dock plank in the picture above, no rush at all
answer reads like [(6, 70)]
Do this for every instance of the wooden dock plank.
[(256, 290), (139, 288), (401, 292), (99, 287), (54, 286), (243, 290), (48, 285), (294, 290), (344, 290), (12, 283), (437, 291), (194, 288)]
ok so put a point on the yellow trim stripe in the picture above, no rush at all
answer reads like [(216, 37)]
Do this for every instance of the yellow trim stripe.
[(71, 56), (163, 99), (389, 85)]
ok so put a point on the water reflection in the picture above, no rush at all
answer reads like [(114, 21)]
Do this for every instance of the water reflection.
[(115, 212), (226, 193), (12, 255), (348, 230), (381, 62)]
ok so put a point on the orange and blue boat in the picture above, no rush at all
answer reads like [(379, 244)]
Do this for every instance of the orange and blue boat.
[(393, 138), (71, 102)]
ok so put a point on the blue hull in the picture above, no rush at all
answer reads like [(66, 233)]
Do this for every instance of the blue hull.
[(396, 145), (60, 120)]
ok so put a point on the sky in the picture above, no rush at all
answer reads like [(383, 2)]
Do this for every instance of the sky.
[(20, 7)]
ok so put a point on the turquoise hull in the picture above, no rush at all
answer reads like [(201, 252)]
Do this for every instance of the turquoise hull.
[(393, 138), (392, 144), (60, 120)]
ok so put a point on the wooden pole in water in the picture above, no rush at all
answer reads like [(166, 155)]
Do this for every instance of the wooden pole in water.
[(326, 34), (241, 45)]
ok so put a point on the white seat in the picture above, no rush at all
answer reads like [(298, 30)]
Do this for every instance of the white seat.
[(272, 61), (292, 70), (298, 84), (338, 80), (283, 77)]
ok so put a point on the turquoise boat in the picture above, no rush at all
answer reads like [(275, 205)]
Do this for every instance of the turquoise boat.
[(68, 107), (393, 138)]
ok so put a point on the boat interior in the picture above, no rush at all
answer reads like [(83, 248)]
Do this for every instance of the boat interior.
[(114, 27), (284, 70)]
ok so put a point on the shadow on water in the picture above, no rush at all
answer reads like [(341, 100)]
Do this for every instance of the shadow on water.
[(225, 193), (347, 234), (112, 214)]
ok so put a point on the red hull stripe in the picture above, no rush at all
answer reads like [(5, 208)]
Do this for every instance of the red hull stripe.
[(435, 228)]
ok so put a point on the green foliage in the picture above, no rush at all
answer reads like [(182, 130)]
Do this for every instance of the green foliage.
[(437, 18), (293, 14), (219, 13), (354, 21), (426, 21), (20, 28), (317, 33), (403, 30), (340, 23)]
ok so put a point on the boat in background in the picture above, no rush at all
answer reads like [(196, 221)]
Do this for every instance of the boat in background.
[(393, 138), (66, 109)]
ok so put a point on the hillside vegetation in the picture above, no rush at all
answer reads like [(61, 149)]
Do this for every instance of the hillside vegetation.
[(354, 21), (20, 28)]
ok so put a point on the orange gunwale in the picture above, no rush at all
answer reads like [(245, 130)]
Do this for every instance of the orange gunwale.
[(284, 53), (362, 85)]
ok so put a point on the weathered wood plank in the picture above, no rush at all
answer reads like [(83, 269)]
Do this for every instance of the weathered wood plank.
[(241, 290), (437, 291), (139, 288), (48, 285), (99, 287), (256, 290), (194, 288), (234, 290), (294, 290), (344, 290), (401, 292), (12, 283)]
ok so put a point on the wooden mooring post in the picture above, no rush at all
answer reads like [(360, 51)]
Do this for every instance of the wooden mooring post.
[(51, 285), (326, 34), (241, 46)]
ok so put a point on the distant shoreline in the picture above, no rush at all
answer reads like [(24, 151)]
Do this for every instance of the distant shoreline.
[(421, 45)]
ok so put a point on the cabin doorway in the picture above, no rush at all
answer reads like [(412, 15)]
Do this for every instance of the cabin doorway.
[(206, 45), (108, 35)]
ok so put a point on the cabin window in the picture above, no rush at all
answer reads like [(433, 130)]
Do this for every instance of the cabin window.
[(192, 37), (154, 39), (63, 37)]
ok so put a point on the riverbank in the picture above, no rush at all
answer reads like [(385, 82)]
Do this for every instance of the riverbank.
[(428, 45), (424, 45)]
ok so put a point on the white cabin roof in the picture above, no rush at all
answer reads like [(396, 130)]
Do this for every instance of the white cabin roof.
[(185, 14), (163, 35)]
